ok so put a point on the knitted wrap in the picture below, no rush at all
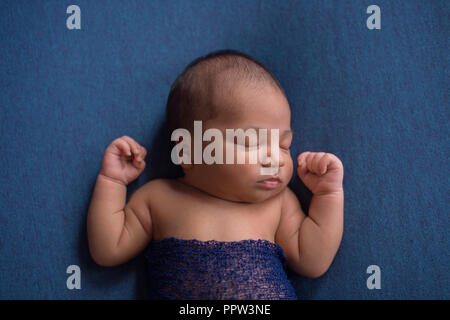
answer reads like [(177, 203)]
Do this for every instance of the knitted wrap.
[(194, 269)]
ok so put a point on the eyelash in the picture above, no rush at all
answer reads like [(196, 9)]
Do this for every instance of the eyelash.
[(256, 146), (247, 147)]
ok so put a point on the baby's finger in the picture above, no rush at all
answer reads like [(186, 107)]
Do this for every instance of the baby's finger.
[(123, 147), (138, 163), (141, 156), (141, 153), (309, 162), (137, 159), (301, 157), (145, 152), (323, 164), (334, 163), (316, 162), (302, 170), (135, 148)]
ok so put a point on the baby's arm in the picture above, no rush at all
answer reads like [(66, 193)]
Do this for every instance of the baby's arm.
[(118, 232), (311, 242)]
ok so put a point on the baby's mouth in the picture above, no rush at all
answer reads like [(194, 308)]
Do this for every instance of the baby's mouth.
[(270, 183)]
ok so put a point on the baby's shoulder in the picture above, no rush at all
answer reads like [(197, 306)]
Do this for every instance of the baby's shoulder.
[(163, 193), (164, 188), (160, 185)]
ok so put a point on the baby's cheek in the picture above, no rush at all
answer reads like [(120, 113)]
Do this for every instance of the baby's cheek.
[(252, 156), (289, 166), (238, 154)]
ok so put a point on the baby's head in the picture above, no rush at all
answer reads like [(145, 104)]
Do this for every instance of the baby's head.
[(230, 90)]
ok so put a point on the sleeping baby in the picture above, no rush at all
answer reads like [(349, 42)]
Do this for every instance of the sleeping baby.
[(223, 230)]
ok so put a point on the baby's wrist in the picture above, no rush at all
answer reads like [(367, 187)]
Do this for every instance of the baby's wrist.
[(338, 191), (103, 176)]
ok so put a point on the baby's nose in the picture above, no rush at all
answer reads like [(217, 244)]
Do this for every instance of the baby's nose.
[(273, 160), (270, 163)]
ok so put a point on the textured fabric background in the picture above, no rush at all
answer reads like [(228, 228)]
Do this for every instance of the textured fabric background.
[(378, 99)]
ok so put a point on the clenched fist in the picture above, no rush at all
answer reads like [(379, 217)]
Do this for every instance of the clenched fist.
[(123, 160), (321, 172)]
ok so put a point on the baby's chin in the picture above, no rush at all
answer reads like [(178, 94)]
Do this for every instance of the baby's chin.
[(252, 193), (256, 195)]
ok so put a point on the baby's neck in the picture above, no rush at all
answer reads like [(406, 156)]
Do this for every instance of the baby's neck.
[(192, 184)]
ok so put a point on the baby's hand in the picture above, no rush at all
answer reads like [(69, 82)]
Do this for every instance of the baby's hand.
[(123, 160), (321, 172)]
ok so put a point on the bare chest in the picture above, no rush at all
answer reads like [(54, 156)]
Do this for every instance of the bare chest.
[(190, 218)]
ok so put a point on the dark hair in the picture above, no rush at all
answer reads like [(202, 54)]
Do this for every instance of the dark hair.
[(192, 93)]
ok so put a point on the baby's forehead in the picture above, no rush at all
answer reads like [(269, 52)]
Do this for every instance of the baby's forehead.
[(234, 103), (247, 116), (245, 101), (228, 94)]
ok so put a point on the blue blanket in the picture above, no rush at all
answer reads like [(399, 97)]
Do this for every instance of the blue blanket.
[(378, 99)]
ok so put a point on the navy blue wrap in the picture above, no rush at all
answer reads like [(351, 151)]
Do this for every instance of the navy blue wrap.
[(194, 269)]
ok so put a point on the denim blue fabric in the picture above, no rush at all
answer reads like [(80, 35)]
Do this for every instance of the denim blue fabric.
[(378, 99)]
